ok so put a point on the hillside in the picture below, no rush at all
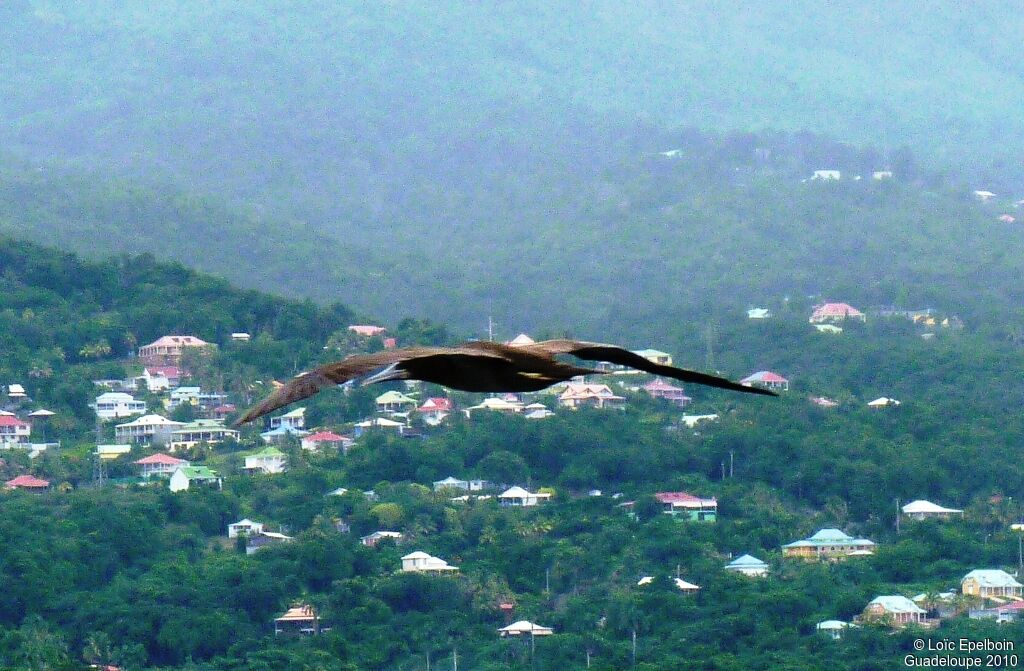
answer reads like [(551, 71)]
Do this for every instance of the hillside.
[(118, 572)]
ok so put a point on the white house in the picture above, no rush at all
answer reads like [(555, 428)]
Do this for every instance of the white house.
[(185, 476), (159, 465), (371, 540), (525, 627), (115, 404), (519, 497), (827, 175), (160, 378), (833, 628), (14, 431), (922, 510), (451, 483), (209, 431), (295, 419), (267, 460), (328, 439), (421, 562), (748, 565), (759, 313), (244, 527), (147, 430), (184, 396), (883, 402)]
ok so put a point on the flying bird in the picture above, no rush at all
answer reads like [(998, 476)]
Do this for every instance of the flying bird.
[(478, 366)]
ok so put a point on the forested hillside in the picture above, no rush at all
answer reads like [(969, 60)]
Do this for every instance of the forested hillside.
[(138, 576)]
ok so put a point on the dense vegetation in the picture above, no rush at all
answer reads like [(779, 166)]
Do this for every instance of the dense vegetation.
[(146, 578)]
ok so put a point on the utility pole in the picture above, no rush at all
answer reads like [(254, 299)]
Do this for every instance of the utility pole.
[(723, 470), (898, 514), (634, 647), (730, 462), (455, 659)]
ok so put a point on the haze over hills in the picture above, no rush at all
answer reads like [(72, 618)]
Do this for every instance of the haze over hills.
[(479, 160)]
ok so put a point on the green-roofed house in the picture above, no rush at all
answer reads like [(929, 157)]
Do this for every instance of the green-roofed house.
[(829, 544), (268, 460), (395, 401), (186, 476)]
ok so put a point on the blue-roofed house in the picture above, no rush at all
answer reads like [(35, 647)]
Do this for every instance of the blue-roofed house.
[(829, 544), (280, 433), (748, 565)]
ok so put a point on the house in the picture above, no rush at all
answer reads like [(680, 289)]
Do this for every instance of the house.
[(161, 378), (525, 627), (296, 419), (435, 409), (367, 330), (240, 337), (184, 396), (896, 611), (655, 356), (159, 465), (281, 434), (321, 439), (829, 544), (147, 430), (536, 411), (681, 505), (16, 392), (28, 483), (520, 498), (880, 175), (677, 581), (390, 343), (577, 395), (451, 483), (940, 605), (984, 196), (208, 431), (767, 380), (671, 393), (377, 423), (114, 405), (883, 402), (393, 401), (244, 527), (748, 565), (823, 402), (263, 539), (371, 540), (421, 562), (1007, 612), (111, 452), (991, 584), (521, 340), (167, 351), (924, 510), (827, 175), (833, 628), (222, 411), (268, 460), (690, 421), (496, 404), (831, 329), (299, 620), (759, 313), (185, 476), (13, 431), (1007, 218), (835, 312)]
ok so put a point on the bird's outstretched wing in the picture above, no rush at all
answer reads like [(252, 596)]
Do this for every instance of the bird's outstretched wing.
[(592, 351), (306, 384)]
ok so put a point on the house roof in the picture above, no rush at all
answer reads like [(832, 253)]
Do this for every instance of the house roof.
[(832, 624), (15, 390), (526, 627), (764, 376), (648, 353), (438, 403), (837, 310), (28, 482), (245, 523), (382, 534), (992, 578), (746, 561), (269, 452), (324, 437), (174, 340), (883, 401), (300, 613), (683, 585), (161, 458), (197, 473), (829, 537), (520, 493), (366, 330), (684, 500), (418, 554), (896, 604), (921, 506), (294, 414), (379, 421), (393, 396), (520, 340), (41, 412), (152, 420), (166, 371), (11, 420), (450, 480), (284, 430), (661, 385)]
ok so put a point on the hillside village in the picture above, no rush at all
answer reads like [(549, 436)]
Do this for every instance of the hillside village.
[(168, 432)]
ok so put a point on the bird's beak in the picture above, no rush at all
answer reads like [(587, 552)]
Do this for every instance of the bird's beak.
[(392, 372)]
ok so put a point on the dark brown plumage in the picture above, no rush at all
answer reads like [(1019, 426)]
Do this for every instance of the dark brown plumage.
[(479, 367)]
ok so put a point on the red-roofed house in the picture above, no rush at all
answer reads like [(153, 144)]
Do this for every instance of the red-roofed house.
[(166, 351), (835, 312), (14, 431), (222, 411), (367, 330), (161, 378), (688, 506), (767, 380), (1007, 218), (159, 464), (28, 482), (322, 439), (661, 389)]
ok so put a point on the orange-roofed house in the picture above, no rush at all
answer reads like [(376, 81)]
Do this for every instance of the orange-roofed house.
[(367, 330), (28, 482), (835, 312), (159, 465), (300, 620), (681, 505), (767, 380), (167, 351), (322, 439)]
